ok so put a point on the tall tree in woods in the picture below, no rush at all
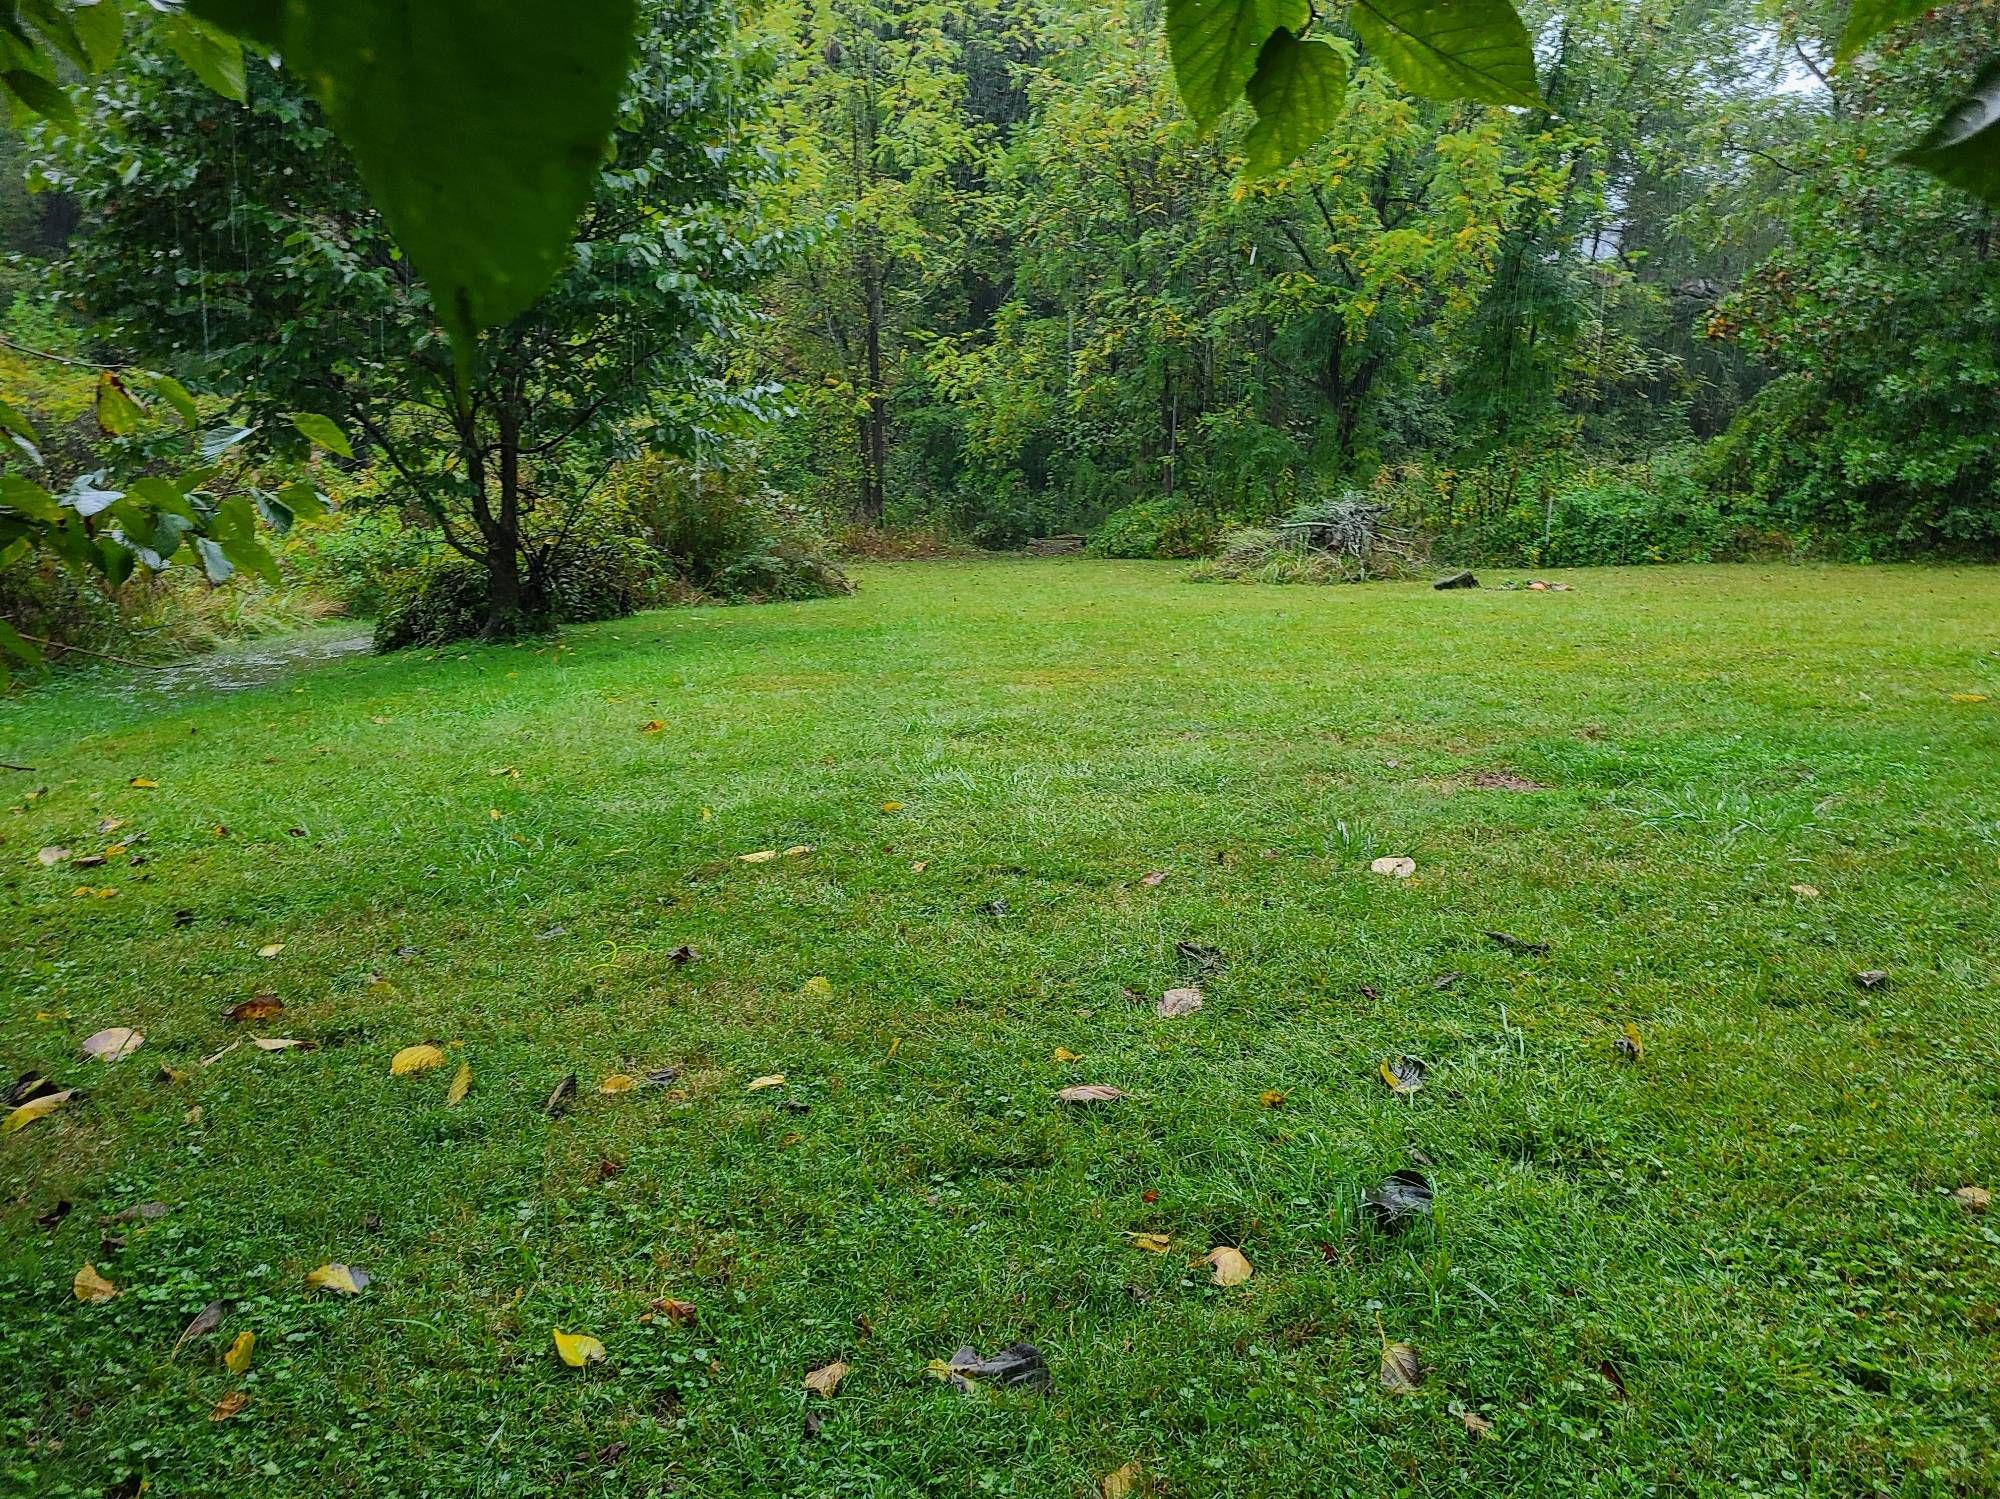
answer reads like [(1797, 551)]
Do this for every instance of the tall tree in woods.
[(237, 241)]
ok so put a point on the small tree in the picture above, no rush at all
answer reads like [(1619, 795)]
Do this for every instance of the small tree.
[(239, 241)]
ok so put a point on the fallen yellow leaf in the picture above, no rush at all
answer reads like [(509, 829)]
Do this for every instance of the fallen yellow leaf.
[(1229, 1266), (1806, 892), (419, 1058), (1151, 1243), (143, 784), (1064, 1054), (762, 856), (825, 1380), (1968, 697), (578, 1348), (817, 987), (618, 1082), (772, 1080), (33, 1109), (113, 1045), (798, 850), (237, 1359), (1401, 1371), (270, 949), (461, 1083), (493, 813), (229, 1405), (651, 726), (892, 806), (91, 1287), (918, 866), (1124, 1483), (1270, 1098), (344, 1279)]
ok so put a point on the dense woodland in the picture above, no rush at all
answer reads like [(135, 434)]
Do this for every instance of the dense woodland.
[(876, 275)]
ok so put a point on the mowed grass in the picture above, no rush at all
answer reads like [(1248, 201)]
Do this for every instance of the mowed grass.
[(1733, 1266)]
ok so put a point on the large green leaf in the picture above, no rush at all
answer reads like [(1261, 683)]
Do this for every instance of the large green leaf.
[(1297, 92), (1215, 45), (321, 432), (1451, 49), (478, 125), (1867, 19), (39, 95), (1964, 147), (215, 56)]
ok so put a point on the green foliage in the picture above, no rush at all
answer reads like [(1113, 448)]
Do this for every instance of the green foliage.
[(1297, 93), (1162, 527), (1963, 148), (444, 600), (1452, 49)]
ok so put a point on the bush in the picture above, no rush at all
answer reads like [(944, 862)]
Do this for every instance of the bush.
[(1340, 540), (444, 600), (720, 533), (1163, 527)]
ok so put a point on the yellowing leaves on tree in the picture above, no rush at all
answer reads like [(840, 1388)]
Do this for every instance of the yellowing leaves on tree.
[(461, 1083), (237, 1359), (578, 1348), (1228, 1266), (826, 1379), (419, 1058), (345, 1280), (35, 1108), (89, 1286)]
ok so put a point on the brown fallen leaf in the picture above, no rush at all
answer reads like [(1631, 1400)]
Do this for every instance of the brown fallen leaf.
[(205, 1322), (1178, 1002), (1806, 892), (461, 1084), (89, 1286), (1151, 1243), (1154, 879), (1227, 1266), (241, 1350), (1404, 1076), (824, 1380), (35, 1108), (1401, 1371), (257, 1007), (1124, 1483), (1473, 1422), (229, 1405), (344, 1280), (139, 1212), (651, 726), (1973, 1199), (1396, 866), (52, 856), (559, 1099), (1088, 1093), (419, 1058), (1872, 978), (681, 1313), (1610, 1372), (578, 1348), (113, 1045)]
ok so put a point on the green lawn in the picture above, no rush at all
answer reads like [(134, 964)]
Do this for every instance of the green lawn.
[(1735, 1265)]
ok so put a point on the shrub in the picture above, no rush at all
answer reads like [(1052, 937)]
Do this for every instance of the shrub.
[(1340, 540), (1163, 527), (721, 533), (443, 600)]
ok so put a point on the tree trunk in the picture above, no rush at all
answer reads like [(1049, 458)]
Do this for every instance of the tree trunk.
[(874, 423)]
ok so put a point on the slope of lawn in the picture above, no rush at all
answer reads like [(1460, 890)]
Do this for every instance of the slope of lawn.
[(1740, 1263)]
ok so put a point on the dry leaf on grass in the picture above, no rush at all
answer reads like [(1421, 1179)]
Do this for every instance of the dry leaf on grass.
[(1398, 1200), (52, 856), (1872, 978), (560, 1097), (1806, 892), (1153, 879), (257, 1007), (1270, 1098), (651, 726), (270, 949), (681, 1313), (113, 1045), (205, 1322), (1124, 1483), (1177, 1002), (578, 1348), (277, 1043), (1064, 1054), (618, 1082), (826, 1379), (1227, 1266), (1404, 1076), (769, 1080), (1088, 1093), (1473, 1422), (1151, 1243), (143, 784), (419, 1058), (892, 806), (89, 1286), (1396, 866), (1402, 1372), (762, 856), (344, 1280), (1973, 1199), (461, 1084), (817, 987), (237, 1359), (1018, 1366), (35, 1108), (229, 1405)]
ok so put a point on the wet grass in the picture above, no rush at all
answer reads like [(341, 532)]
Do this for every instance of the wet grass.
[(1734, 1265)]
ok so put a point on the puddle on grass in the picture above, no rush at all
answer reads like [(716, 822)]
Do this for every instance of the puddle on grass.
[(252, 663)]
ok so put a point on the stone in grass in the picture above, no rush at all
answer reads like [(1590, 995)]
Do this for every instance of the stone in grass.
[(1460, 579)]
